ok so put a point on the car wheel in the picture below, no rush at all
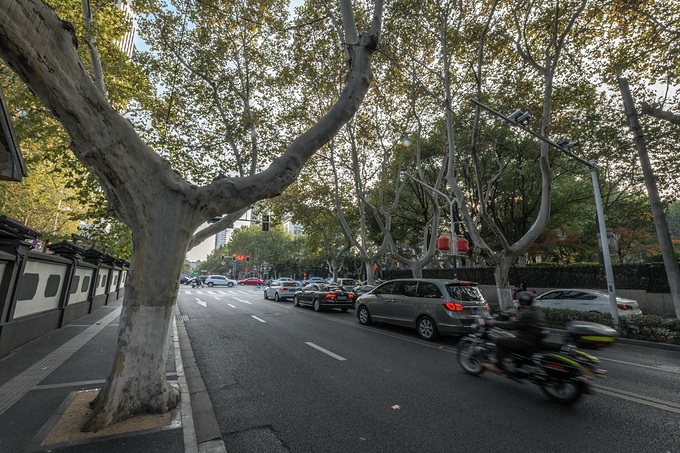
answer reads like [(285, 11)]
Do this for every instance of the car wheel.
[(276, 297), (296, 301), (230, 285), (364, 316), (211, 284), (265, 294), (317, 304), (427, 329)]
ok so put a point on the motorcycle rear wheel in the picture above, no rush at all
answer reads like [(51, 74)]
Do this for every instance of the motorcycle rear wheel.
[(563, 391), (470, 362)]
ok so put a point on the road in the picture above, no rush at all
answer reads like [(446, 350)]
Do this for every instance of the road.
[(283, 378)]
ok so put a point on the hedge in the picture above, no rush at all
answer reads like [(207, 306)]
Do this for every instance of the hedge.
[(639, 327)]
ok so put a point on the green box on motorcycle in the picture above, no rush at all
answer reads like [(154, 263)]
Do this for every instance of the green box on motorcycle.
[(590, 334)]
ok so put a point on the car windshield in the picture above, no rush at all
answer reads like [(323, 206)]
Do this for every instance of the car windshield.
[(465, 293)]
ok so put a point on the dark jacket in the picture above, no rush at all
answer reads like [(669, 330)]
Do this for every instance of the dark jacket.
[(529, 325)]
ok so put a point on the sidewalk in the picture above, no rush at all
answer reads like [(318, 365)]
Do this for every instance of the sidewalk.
[(39, 380)]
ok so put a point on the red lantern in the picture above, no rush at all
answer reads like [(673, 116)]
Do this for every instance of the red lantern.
[(444, 243), (462, 246)]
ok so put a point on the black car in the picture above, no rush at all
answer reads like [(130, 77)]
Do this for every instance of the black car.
[(324, 295), (184, 279)]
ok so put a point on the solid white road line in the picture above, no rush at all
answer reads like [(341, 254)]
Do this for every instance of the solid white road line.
[(325, 351), (255, 317), (232, 306), (244, 301)]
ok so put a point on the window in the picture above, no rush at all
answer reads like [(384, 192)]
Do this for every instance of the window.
[(52, 286), (28, 286), (407, 288), (429, 290), (74, 284), (384, 289), (86, 284), (465, 293)]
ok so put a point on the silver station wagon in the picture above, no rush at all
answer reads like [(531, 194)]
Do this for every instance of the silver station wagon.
[(431, 306)]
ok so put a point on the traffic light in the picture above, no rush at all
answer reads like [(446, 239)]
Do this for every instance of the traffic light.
[(247, 257), (233, 257), (265, 223), (222, 259)]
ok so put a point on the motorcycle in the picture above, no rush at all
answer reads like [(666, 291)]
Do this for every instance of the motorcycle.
[(196, 282), (562, 371)]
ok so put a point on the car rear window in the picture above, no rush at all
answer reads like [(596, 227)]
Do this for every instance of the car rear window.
[(465, 293)]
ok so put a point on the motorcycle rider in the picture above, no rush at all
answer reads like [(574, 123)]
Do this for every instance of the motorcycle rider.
[(528, 327)]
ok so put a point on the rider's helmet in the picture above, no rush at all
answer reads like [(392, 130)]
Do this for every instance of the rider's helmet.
[(525, 298)]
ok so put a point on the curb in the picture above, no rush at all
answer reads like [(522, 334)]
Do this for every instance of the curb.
[(206, 430), (649, 344), (632, 342)]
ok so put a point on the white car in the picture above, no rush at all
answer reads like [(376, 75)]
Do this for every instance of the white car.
[(586, 300), (220, 280), (281, 289)]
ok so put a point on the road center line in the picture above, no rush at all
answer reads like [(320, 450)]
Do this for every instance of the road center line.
[(255, 317), (325, 351)]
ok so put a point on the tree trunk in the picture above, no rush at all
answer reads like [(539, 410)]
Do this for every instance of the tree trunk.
[(501, 272), (137, 380), (662, 233), (161, 209)]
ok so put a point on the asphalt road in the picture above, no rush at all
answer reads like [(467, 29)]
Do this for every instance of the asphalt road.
[(285, 379)]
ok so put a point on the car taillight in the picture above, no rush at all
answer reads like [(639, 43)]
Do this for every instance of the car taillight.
[(625, 307), (453, 306), (351, 295), (330, 296)]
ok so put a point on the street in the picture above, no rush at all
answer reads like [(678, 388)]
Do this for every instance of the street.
[(283, 378)]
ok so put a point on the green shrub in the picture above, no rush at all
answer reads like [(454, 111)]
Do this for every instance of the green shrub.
[(640, 327)]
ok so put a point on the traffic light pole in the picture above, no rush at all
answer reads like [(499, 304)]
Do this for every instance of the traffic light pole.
[(517, 119)]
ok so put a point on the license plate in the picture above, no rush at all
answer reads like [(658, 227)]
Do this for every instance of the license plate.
[(473, 311), (342, 298)]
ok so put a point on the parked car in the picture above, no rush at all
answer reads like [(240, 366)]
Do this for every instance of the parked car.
[(250, 281), (219, 280), (281, 289), (431, 306), (586, 300), (348, 283), (324, 295), (360, 290)]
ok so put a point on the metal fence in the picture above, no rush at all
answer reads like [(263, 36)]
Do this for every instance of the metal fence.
[(648, 277)]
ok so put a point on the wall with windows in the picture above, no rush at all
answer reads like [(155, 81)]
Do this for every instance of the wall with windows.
[(45, 290)]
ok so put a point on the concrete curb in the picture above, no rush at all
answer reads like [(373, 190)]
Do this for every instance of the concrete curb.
[(632, 342), (206, 429), (649, 344)]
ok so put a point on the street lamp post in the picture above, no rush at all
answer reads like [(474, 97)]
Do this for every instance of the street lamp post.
[(517, 119), (450, 201)]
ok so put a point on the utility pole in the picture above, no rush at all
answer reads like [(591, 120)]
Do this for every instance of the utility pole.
[(660, 223), (517, 119)]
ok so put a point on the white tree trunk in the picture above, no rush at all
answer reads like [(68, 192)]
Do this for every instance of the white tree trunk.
[(161, 209)]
